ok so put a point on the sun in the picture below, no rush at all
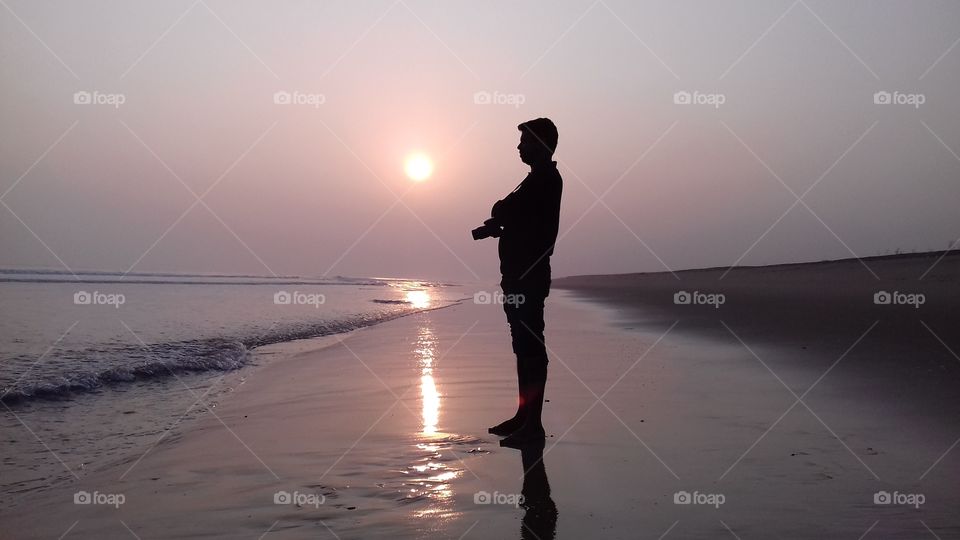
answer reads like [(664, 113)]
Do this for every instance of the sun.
[(418, 167)]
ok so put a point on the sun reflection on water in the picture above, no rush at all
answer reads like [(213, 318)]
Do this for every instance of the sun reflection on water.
[(425, 351), (419, 299), (431, 475), (431, 404)]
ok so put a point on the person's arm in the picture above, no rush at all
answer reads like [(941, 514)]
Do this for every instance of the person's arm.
[(510, 211)]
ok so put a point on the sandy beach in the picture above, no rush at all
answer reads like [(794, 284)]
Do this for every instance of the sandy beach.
[(255, 258), (659, 424)]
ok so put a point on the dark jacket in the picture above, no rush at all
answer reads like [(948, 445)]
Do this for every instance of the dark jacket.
[(530, 217)]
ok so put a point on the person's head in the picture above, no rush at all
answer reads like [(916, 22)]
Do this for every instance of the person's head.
[(538, 141)]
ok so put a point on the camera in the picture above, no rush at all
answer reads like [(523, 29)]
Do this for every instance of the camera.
[(489, 229)]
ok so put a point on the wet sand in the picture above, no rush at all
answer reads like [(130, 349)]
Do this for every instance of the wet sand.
[(809, 315), (383, 433)]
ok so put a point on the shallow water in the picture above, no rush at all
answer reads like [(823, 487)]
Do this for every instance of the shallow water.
[(95, 365)]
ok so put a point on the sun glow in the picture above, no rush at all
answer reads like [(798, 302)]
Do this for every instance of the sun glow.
[(418, 299), (418, 167)]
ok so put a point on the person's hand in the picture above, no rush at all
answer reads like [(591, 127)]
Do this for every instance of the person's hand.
[(489, 229)]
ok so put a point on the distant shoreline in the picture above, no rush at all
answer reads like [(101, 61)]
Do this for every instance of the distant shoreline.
[(784, 300), (933, 255), (811, 315)]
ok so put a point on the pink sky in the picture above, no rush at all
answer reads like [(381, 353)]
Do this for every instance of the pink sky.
[(303, 189)]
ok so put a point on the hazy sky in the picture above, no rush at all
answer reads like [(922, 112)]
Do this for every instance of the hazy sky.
[(312, 188)]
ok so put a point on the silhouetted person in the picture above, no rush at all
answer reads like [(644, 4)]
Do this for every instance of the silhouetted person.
[(526, 221), (540, 512)]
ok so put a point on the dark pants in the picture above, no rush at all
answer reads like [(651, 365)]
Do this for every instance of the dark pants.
[(525, 317)]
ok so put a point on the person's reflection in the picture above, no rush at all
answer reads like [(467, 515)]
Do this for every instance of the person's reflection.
[(540, 513)]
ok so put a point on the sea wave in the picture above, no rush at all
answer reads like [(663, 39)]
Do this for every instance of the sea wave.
[(126, 363), (15, 275), (167, 360)]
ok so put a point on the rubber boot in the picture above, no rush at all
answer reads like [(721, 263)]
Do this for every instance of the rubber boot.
[(533, 390), (509, 426)]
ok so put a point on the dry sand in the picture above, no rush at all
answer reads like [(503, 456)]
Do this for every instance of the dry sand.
[(646, 399)]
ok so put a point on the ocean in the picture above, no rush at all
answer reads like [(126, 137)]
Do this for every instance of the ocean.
[(95, 367)]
